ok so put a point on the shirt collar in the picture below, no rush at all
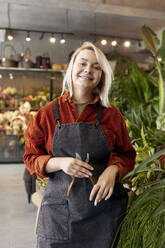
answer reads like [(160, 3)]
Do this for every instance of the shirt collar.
[(66, 98)]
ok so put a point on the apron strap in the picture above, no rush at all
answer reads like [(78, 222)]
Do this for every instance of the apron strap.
[(56, 110), (99, 116)]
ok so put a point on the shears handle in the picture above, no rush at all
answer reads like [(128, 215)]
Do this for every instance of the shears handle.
[(73, 177)]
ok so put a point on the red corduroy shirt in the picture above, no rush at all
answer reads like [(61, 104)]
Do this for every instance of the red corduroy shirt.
[(40, 132)]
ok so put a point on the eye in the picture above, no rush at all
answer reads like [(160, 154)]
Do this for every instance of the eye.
[(82, 63), (97, 67)]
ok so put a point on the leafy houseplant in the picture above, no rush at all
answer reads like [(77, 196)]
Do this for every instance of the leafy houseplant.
[(144, 224), (157, 48)]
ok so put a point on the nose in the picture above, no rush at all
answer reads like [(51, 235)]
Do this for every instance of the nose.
[(88, 69)]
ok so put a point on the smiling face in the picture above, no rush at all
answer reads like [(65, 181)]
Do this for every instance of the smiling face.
[(86, 71)]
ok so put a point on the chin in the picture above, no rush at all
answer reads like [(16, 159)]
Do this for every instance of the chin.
[(87, 86), (86, 83)]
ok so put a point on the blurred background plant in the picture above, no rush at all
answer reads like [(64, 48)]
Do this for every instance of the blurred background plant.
[(139, 94), (157, 47)]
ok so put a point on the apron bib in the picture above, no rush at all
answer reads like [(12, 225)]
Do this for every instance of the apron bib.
[(74, 222)]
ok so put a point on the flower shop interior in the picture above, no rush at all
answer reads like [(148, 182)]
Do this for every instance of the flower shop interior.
[(37, 39)]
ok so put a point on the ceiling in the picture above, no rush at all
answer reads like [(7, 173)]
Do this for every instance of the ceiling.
[(116, 18)]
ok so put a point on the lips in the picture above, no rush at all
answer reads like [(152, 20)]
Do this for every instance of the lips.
[(86, 77)]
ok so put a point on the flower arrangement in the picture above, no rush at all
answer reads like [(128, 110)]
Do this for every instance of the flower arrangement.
[(10, 91), (40, 99), (7, 97), (15, 122)]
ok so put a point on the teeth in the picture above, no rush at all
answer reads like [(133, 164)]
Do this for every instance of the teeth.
[(85, 77)]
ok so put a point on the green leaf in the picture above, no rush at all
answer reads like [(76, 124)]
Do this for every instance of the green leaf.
[(163, 39), (153, 157), (139, 168), (159, 210), (150, 38), (161, 53)]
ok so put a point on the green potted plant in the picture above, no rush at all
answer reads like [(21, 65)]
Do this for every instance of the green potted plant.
[(157, 48), (144, 224)]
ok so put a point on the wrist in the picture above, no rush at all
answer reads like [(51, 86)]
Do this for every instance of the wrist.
[(53, 165), (114, 168)]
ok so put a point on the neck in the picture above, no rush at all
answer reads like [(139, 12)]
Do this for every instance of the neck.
[(82, 97)]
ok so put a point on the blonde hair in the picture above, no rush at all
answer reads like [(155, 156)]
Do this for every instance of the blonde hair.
[(104, 86)]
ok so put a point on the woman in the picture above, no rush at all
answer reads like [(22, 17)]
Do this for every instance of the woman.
[(81, 143)]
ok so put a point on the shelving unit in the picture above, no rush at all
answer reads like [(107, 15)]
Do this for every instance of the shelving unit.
[(11, 149), (51, 73)]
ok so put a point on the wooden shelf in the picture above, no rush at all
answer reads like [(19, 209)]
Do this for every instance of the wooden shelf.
[(28, 69), (14, 109)]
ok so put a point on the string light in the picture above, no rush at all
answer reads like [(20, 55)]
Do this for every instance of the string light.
[(52, 39), (104, 42), (127, 43), (62, 41), (159, 59), (28, 37), (10, 36), (114, 43)]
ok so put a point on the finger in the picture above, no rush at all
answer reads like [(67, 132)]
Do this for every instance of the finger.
[(80, 174), (77, 173), (94, 191), (83, 164), (109, 193), (105, 193), (99, 196), (81, 169)]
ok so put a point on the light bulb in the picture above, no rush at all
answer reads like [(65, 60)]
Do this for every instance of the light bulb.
[(28, 37), (114, 43), (127, 43), (52, 39), (62, 41), (103, 42), (10, 37)]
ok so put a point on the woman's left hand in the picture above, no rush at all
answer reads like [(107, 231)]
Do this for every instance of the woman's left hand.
[(105, 184)]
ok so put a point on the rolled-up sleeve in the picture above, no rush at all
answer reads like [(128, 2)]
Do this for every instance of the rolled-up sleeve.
[(36, 155), (123, 154)]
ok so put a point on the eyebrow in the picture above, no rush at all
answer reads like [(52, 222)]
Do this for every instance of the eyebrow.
[(87, 61)]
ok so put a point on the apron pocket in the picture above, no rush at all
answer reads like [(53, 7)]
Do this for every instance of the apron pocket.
[(53, 220)]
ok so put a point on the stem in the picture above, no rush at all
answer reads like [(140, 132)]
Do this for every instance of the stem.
[(161, 91)]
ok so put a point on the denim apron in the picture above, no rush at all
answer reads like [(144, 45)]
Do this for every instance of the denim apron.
[(74, 221)]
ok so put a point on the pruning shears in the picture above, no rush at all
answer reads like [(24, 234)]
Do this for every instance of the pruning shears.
[(73, 177)]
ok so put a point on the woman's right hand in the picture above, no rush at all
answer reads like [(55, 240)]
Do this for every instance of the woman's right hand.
[(71, 166)]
